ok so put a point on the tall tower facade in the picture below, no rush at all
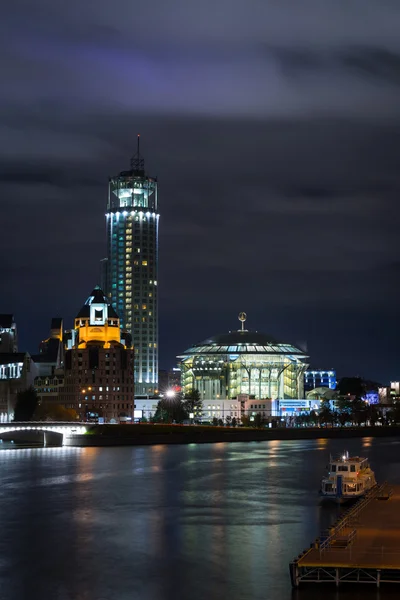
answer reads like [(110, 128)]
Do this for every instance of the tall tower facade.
[(132, 265)]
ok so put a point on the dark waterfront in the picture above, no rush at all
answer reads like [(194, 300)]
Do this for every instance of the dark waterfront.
[(196, 522)]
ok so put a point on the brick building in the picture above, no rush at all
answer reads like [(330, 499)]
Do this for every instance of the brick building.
[(98, 364)]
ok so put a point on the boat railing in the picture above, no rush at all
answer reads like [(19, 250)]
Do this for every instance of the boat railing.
[(350, 518)]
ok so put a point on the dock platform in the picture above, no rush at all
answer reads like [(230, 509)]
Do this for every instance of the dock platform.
[(362, 547)]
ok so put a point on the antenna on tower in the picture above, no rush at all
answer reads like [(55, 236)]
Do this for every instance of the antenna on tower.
[(137, 161)]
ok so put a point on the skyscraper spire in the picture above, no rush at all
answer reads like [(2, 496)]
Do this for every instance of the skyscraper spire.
[(131, 269), (137, 161)]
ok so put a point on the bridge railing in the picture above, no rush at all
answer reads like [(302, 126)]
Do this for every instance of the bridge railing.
[(64, 428)]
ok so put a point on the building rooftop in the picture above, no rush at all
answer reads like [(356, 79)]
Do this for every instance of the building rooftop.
[(242, 342), (9, 358), (49, 353), (96, 297), (6, 321), (56, 323)]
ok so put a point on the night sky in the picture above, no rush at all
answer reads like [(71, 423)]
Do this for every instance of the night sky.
[(274, 131)]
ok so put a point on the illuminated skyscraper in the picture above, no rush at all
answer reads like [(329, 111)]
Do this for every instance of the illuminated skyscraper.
[(131, 269)]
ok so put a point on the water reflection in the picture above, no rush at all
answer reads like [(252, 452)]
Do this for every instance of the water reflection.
[(367, 442), (322, 444), (167, 522)]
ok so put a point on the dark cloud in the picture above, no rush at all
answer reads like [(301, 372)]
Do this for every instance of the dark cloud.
[(60, 175), (274, 130)]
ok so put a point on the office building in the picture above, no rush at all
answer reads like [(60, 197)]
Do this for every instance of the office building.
[(51, 350), (169, 380), (131, 269), (317, 378), (17, 373), (8, 334)]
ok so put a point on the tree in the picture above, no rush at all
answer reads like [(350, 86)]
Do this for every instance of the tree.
[(245, 421), (234, 422), (344, 409), (352, 386), (394, 413), (192, 403), (359, 411), (325, 412), (170, 411), (373, 414), (313, 418), (54, 412), (258, 420), (26, 404), (215, 421), (220, 423), (228, 421)]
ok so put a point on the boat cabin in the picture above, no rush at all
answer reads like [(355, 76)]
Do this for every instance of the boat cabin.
[(347, 477), (348, 465)]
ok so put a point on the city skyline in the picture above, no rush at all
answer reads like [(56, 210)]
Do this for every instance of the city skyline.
[(276, 144)]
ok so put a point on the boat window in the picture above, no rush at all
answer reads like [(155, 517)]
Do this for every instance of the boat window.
[(333, 468), (342, 468), (353, 468)]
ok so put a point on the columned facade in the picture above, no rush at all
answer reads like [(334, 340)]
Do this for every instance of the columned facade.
[(243, 363)]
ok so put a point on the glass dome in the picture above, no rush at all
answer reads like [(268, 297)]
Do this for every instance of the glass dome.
[(243, 342)]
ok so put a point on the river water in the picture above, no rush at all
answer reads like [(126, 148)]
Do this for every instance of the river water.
[(196, 522)]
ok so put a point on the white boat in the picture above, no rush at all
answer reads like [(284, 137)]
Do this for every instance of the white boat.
[(348, 478)]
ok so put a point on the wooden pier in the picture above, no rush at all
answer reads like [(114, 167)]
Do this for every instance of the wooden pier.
[(362, 547)]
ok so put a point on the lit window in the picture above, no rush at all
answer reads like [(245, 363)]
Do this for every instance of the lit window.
[(144, 306), (144, 263)]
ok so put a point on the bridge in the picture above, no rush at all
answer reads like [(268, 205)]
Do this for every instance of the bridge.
[(41, 433)]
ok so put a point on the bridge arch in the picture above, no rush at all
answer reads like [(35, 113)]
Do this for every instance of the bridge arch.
[(57, 431)]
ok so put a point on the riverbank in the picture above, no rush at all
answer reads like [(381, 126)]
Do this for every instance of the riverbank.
[(149, 434)]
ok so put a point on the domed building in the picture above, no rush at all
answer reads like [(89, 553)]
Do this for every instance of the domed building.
[(241, 364)]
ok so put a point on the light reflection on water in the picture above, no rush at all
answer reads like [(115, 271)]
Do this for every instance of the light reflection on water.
[(169, 522)]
